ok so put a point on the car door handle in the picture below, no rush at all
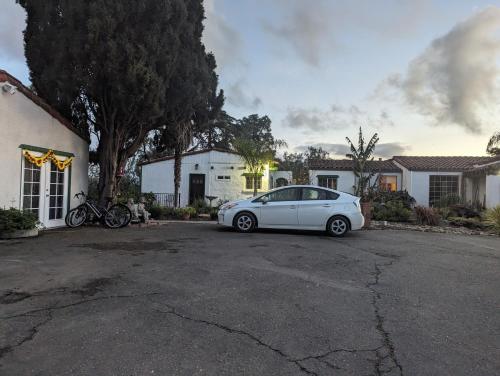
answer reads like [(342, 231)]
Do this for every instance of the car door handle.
[(293, 207), (327, 206)]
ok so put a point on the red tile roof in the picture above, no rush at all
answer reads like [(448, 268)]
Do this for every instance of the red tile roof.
[(348, 165), (169, 157), (7, 77), (452, 164)]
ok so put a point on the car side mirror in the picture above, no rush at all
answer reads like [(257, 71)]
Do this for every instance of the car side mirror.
[(264, 200)]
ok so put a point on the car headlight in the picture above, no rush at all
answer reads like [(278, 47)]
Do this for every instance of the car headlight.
[(228, 206)]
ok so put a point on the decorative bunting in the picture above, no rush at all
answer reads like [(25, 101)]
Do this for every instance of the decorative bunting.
[(39, 161)]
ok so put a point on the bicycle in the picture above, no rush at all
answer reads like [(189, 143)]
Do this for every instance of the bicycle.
[(116, 216)]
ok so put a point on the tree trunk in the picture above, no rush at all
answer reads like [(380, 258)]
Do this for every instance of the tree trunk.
[(177, 174), (109, 159), (254, 185)]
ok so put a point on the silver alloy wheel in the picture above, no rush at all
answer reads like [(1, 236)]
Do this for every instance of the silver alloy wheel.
[(338, 226), (244, 222)]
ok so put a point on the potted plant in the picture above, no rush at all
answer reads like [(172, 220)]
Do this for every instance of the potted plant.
[(15, 223), (361, 154)]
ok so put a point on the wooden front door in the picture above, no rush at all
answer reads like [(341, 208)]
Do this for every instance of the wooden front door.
[(196, 187)]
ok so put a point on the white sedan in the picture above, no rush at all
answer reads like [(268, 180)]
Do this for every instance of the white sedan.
[(298, 207)]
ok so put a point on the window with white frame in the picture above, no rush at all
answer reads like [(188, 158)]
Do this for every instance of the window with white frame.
[(328, 181), (223, 177), (31, 187), (388, 183), (441, 186), (249, 182)]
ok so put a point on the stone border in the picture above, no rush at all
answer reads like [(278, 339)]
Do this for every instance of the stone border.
[(383, 225)]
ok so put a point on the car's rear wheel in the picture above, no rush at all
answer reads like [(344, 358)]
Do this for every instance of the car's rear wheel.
[(244, 222), (337, 226)]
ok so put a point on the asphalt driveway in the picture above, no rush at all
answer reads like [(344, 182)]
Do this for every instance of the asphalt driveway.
[(191, 299)]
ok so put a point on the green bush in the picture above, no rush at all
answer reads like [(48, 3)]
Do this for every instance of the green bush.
[(384, 197), (493, 218), (14, 219), (201, 206), (448, 200), (427, 216), (214, 213), (161, 213), (392, 211), (472, 223)]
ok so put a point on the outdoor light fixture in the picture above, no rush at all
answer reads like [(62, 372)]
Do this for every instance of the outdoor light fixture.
[(196, 166)]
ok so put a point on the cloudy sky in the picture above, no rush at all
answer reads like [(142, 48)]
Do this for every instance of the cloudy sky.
[(423, 74)]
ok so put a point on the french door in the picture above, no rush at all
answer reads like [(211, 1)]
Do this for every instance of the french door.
[(45, 192)]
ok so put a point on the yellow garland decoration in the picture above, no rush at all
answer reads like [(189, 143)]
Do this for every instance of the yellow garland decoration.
[(39, 161)]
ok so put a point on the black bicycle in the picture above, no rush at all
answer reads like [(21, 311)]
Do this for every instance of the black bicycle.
[(115, 216)]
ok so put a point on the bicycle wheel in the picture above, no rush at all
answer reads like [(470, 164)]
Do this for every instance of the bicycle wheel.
[(117, 216), (76, 217)]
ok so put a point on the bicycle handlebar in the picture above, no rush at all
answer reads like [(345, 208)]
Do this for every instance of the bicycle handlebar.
[(82, 193)]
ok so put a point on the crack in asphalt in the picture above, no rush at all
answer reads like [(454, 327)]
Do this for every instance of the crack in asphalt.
[(321, 358), (171, 311), (388, 346), (34, 330)]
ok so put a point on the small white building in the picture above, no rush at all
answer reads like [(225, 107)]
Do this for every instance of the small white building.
[(45, 158), (214, 173), (338, 174), (428, 179)]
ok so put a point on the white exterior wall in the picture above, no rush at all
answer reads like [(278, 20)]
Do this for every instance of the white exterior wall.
[(275, 175), (492, 191), (158, 177), (24, 122), (346, 179)]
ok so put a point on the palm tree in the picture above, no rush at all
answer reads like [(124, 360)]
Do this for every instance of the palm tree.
[(493, 147), (256, 156), (361, 155)]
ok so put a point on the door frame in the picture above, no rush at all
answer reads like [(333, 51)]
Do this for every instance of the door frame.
[(44, 200), (190, 201)]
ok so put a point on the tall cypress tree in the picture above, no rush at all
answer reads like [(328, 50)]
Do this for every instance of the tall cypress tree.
[(108, 66)]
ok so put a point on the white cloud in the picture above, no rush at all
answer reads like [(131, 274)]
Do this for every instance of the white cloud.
[(335, 117), (237, 96), (455, 80)]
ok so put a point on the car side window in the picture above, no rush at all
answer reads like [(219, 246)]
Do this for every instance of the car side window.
[(318, 194), (288, 194)]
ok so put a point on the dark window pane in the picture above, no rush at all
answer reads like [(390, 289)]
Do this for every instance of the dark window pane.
[(53, 190), (35, 200), (289, 194), (53, 177), (60, 177), (27, 188), (59, 213), (52, 213), (331, 195), (26, 202), (36, 176), (35, 188), (60, 201), (27, 175), (35, 211), (52, 201), (311, 194)]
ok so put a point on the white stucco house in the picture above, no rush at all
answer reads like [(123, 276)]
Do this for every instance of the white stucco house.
[(427, 179), (206, 173), (45, 156), (338, 174)]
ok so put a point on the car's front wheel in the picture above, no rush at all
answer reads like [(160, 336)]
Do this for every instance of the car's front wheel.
[(244, 222), (337, 226)]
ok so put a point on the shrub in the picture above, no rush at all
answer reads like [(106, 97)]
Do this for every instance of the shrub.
[(393, 211), (214, 213), (471, 223), (14, 219), (427, 216), (459, 210), (201, 206), (181, 213), (493, 218), (150, 200), (159, 212), (384, 197)]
